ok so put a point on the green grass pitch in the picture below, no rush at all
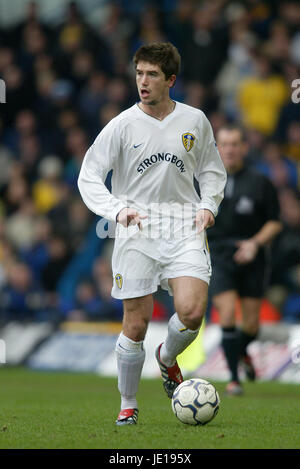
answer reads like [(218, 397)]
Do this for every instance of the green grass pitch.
[(68, 410)]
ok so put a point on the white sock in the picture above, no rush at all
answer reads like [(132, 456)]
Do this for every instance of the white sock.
[(130, 360), (178, 339)]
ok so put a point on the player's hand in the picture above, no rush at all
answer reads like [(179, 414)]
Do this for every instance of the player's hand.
[(204, 220), (129, 217), (246, 252)]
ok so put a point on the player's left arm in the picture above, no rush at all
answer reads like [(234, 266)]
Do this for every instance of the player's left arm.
[(204, 219), (211, 176)]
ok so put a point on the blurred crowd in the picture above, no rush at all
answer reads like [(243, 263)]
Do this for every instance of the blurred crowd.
[(63, 85)]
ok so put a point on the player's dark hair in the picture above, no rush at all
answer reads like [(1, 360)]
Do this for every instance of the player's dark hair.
[(233, 127), (163, 54)]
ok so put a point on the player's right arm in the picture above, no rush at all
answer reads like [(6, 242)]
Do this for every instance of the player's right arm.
[(100, 158), (129, 216)]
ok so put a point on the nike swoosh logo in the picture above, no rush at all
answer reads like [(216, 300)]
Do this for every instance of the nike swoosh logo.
[(135, 146), (122, 347)]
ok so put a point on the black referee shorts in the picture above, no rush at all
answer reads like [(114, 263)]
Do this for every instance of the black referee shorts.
[(248, 280)]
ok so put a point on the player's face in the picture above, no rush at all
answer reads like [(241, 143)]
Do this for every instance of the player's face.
[(232, 148), (151, 82)]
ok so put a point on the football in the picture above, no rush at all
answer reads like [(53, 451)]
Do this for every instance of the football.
[(195, 402)]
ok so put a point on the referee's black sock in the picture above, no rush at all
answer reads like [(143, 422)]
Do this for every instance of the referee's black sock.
[(244, 340), (230, 344)]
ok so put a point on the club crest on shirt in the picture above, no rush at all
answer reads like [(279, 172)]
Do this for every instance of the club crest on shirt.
[(188, 140), (119, 280)]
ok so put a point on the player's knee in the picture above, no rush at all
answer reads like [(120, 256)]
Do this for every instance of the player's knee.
[(192, 314)]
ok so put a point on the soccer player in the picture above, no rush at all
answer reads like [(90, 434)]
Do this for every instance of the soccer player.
[(155, 148), (246, 224)]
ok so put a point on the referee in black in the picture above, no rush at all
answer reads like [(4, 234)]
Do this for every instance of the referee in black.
[(246, 224)]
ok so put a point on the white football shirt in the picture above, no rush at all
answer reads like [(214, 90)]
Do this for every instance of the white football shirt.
[(153, 163)]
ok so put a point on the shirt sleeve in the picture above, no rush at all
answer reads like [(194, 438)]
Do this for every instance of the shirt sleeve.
[(210, 172), (100, 158), (270, 201)]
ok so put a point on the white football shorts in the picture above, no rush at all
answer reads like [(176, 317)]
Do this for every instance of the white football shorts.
[(140, 265)]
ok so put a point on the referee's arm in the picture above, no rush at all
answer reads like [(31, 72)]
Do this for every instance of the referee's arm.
[(248, 248), (268, 231)]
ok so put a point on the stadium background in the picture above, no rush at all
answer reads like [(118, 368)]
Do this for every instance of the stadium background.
[(67, 70)]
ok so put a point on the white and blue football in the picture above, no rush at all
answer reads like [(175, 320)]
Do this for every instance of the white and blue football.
[(195, 402)]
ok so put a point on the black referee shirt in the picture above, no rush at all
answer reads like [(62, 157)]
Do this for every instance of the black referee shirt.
[(250, 200)]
